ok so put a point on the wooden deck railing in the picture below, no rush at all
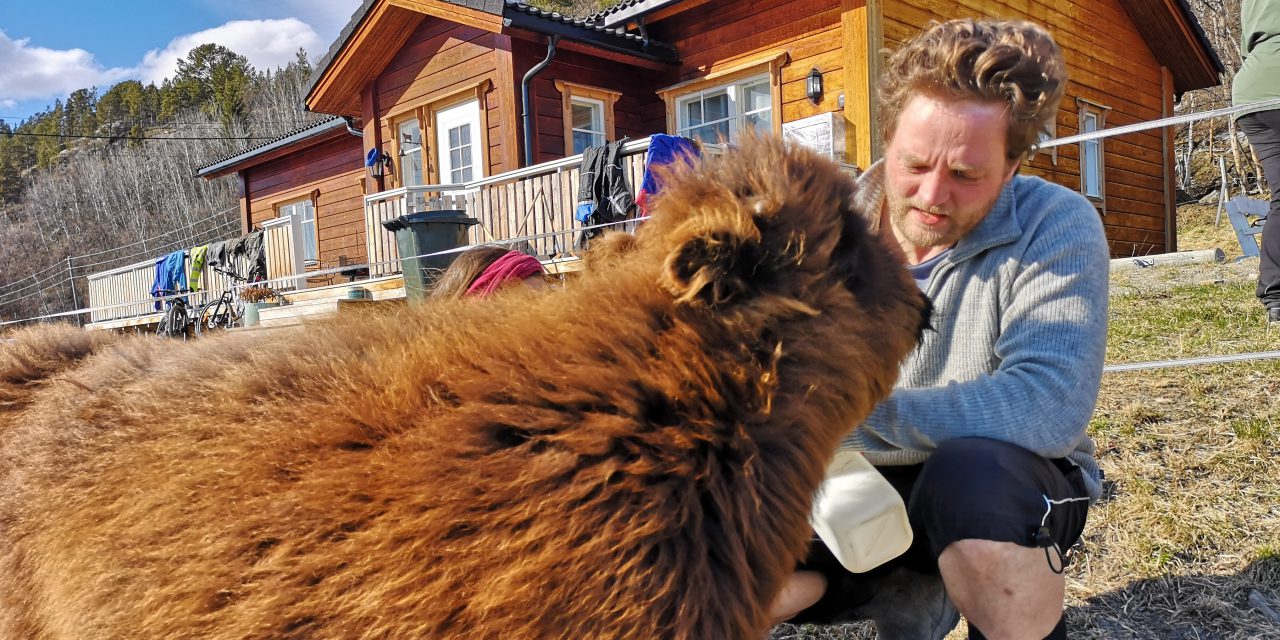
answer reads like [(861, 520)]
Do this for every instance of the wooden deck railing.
[(517, 204), (528, 202), (125, 292)]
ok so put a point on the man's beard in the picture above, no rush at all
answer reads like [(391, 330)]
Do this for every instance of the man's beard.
[(919, 235)]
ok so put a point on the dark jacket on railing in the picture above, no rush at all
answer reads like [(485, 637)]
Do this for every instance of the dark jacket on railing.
[(603, 193)]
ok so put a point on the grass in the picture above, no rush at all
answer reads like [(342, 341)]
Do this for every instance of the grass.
[(1189, 524)]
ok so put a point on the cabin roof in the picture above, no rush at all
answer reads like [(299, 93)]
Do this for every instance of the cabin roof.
[(237, 160), (1178, 42), (627, 10), (510, 14)]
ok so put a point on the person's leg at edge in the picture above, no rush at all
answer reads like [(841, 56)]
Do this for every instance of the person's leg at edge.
[(802, 590), (983, 500), (1263, 130)]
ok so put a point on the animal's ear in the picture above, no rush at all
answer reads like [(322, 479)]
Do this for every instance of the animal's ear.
[(713, 267)]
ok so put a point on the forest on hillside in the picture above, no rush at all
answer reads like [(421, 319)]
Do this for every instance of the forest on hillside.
[(103, 180)]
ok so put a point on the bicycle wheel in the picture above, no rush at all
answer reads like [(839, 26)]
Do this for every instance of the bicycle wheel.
[(215, 316), (175, 322)]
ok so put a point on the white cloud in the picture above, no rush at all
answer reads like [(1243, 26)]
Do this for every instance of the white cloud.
[(266, 43), (29, 72)]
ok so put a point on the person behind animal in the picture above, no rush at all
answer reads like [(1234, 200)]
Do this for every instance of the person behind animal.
[(480, 271), (984, 435), (1257, 80), (631, 458)]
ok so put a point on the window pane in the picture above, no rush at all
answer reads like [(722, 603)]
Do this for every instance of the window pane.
[(692, 113), (464, 134), (464, 156), (1092, 169), (756, 97), (584, 116), (584, 139), (760, 121), (455, 159), (716, 107)]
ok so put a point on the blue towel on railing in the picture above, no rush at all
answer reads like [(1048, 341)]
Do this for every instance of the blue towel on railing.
[(171, 275), (663, 149)]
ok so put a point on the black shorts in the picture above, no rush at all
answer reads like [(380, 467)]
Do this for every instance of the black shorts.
[(968, 489)]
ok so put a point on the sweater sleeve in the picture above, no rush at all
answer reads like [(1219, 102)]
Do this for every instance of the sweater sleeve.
[(1049, 353)]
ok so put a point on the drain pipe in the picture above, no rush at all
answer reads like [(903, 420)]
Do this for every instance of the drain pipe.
[(351, 129), (524, 98)]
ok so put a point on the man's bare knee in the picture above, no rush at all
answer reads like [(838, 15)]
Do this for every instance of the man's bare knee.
[(1006, 590)]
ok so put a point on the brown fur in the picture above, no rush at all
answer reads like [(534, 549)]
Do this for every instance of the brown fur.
[(632, 457)]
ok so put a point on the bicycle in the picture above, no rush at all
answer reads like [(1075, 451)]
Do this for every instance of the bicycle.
[(177, 316), (224, 313)]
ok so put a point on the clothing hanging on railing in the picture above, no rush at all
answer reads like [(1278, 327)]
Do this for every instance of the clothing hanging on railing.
[(198, 255), (218, 255), (663, 149), (171, 275), (254, 251), (603, 193)]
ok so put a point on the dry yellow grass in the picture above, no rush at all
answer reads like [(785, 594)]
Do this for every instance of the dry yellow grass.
[(1190, 523)]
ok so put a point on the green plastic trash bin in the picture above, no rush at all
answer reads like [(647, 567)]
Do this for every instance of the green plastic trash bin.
[(426, 232)]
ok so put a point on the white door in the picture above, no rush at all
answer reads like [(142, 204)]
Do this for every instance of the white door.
[(459, 145)]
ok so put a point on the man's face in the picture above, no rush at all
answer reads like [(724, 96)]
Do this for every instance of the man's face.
[(944, 168)]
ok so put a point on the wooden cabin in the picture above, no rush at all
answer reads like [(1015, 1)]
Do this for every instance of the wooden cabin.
[(440, 88)]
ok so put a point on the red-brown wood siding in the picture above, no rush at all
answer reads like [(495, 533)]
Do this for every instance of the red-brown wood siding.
[(637, 113), (719, 33), (438, 57), (335, 168), (1110, 64)]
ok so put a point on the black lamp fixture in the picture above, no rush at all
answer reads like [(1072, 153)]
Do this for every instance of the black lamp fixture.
[(813, 85), (376, 164)]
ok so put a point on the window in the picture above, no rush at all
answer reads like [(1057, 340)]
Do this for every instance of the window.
[(305, 211), (587, 123), (458, 143), (1093, 181), (726, 102), (409, 142), (588, 116), (718, 114)]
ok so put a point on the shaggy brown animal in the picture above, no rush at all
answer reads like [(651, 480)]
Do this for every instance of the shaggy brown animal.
[(632, 457)]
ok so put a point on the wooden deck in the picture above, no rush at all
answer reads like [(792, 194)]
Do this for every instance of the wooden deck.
[(535, 204)]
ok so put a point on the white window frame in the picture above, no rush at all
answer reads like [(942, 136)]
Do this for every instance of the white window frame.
[(305, 209), (597, 130), (405, 149), (735, 116), (451, 117), (1092, 155), (571, 93)]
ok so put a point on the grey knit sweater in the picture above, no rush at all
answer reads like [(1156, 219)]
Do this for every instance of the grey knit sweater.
[(1020, 312)]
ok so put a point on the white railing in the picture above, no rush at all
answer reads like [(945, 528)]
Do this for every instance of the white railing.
[(125, 292), (527, 202)]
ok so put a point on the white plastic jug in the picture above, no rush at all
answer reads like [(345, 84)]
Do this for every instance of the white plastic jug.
[(859, 515)]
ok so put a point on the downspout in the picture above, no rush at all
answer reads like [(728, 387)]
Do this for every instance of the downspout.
[(524, 99), (351, 129)]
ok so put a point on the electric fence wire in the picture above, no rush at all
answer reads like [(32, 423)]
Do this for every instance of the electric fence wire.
[(8, 297), (62, 264)]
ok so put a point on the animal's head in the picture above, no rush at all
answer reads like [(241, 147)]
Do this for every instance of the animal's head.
[(770, 231)]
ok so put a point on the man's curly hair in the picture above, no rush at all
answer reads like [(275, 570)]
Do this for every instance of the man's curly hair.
[(1014, 62)]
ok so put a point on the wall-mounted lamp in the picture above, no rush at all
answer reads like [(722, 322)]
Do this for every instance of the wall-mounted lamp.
[(813, 85), (376, 164)]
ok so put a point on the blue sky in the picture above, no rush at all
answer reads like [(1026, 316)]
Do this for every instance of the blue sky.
[(49, 49)]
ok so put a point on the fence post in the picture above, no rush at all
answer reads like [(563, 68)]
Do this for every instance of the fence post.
[(71, 280), (1222, 192)]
